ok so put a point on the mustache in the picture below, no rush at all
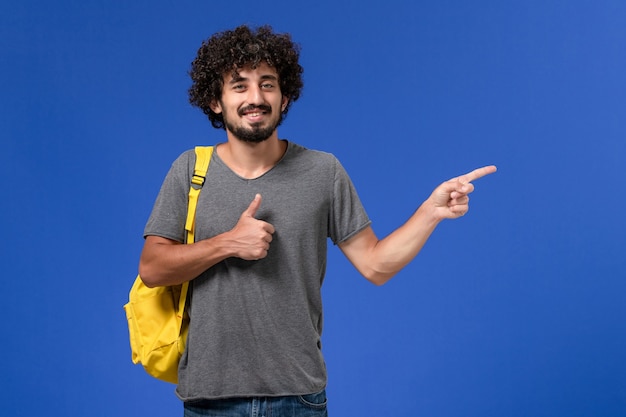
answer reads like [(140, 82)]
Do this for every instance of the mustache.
[(261, 107)]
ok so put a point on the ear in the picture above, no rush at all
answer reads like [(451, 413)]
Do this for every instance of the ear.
[(283, 106), (216, 106)]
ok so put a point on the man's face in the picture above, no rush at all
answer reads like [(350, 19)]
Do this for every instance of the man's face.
[(251, 103)]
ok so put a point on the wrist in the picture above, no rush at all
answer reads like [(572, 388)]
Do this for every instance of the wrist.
[(218, 247), (431, 212)]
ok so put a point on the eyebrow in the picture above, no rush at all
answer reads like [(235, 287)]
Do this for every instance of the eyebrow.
[(239, 78)]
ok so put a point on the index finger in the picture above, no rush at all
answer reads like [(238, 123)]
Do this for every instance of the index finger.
[(477, 173)]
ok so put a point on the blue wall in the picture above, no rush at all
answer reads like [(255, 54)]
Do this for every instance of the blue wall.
[(514, 310)]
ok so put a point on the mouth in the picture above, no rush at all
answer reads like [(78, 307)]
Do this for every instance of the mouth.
[(255, 113)]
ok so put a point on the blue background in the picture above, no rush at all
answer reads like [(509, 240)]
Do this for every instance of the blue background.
[(517, 309)]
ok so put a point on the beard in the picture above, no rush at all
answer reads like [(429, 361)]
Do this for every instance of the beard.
[(256, 133)]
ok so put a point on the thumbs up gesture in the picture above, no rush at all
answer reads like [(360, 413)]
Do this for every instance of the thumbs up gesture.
[(250, 238)]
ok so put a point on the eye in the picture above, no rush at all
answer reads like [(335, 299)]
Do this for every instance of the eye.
[(238, 87), (267, 86)]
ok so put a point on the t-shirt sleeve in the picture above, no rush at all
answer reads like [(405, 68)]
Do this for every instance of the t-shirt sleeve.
[(348, 216), (170, 208)]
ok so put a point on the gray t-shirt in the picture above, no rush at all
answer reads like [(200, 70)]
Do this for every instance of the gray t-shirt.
[(256, 326)]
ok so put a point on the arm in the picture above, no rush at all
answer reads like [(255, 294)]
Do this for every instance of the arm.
[(379, 260), (167, 262)]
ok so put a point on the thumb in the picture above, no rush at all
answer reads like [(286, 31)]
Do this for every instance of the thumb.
[(254, 206)]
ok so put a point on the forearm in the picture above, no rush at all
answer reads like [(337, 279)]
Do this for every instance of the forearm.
[(164, 262), (395, 251), (379, 260)]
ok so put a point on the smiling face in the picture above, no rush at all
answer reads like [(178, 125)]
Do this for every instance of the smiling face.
[(251, 103)]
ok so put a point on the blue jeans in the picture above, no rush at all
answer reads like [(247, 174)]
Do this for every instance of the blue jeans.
[(311, 405)]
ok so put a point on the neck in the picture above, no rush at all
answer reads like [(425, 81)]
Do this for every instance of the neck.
[(251, 160)]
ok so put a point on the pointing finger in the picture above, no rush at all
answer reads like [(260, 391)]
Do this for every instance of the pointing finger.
[(477, 173)]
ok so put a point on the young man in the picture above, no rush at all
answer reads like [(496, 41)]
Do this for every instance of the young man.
[(263, 219)]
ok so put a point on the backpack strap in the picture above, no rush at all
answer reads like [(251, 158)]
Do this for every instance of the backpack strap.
[(203, 157)]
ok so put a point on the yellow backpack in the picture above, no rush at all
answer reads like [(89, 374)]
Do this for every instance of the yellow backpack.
[(157, 320)]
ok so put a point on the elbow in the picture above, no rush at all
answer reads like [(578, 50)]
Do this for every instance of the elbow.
[(379, 282), (147, 276), (378, 278)]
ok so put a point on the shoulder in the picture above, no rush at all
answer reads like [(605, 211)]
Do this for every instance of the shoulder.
[(310, 157), (186, 158), (184, 163), (180, 171)]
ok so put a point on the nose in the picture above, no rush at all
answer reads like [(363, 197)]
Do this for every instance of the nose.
[(255, 95)]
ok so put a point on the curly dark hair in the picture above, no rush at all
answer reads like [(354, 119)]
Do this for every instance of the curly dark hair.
[(232, 50)]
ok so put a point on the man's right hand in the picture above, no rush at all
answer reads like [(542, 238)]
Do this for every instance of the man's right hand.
[(168, 262), (250, 238)]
